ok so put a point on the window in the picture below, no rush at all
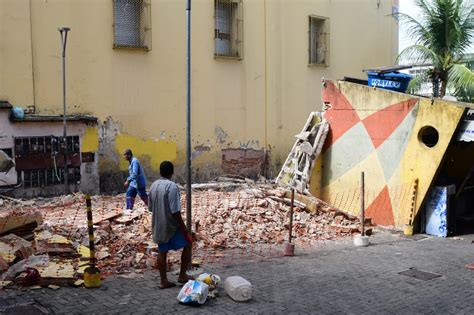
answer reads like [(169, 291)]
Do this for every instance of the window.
[(228, 34), (318, 41), (132, 24)]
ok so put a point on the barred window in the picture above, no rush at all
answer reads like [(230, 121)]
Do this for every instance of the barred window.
[(132, 23), (318, 41), (228, 33)]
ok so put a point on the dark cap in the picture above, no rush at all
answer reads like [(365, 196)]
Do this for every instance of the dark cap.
[(128, 152)]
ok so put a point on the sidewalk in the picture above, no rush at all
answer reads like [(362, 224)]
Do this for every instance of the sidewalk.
[(334, 278)]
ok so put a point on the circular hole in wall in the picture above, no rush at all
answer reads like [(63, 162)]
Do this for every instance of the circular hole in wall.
[(429, 136)]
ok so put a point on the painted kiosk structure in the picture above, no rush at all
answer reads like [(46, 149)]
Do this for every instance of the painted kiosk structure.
[(406, 145)]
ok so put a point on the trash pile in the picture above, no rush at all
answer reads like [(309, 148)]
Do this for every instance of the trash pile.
[(206, 286), (49, 235)]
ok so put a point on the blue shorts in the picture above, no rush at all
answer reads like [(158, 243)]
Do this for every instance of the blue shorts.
[(176, 242)]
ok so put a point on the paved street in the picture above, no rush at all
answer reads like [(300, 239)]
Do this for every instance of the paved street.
[(334, 278)]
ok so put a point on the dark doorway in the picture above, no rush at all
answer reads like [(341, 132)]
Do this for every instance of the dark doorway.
[(458, 170)]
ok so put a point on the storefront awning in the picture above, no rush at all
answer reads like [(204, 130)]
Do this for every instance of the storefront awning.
[(466, 132)]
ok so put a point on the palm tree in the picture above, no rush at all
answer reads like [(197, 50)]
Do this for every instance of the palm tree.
[(442, 36)]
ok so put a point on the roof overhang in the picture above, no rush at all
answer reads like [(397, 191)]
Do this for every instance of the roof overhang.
[(46, 118), (5, 105)]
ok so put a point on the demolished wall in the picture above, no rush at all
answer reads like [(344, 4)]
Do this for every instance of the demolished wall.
[(211, 157)]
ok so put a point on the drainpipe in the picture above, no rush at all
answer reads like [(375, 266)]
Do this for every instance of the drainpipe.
[(188, 115), (265, 140), (32, 59)]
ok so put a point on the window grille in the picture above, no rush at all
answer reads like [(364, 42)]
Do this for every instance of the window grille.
[(318, 41), (132, 24), (48, 146), (228, 33), (48, 177)]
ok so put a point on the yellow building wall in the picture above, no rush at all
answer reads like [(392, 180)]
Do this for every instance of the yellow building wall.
[(16, 70), (258, 102)]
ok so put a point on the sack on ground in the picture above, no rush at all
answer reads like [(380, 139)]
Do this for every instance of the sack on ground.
[(193, 292)]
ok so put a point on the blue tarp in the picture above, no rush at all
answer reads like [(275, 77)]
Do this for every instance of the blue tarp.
[(437, 211)]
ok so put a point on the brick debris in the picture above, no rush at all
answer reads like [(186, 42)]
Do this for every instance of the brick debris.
[(229, 214)]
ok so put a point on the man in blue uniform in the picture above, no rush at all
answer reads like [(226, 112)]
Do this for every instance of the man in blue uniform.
[(136, 181)]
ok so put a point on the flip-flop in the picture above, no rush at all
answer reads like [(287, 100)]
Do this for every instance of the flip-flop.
[(184, 281), (168, 285)]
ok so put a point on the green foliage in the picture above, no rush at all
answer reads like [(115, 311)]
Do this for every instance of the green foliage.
[(442, 35)]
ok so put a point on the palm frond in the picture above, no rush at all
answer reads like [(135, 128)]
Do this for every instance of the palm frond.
[(467, 24), (417, 55), (462, 77), (442, 34), (415, 29), (414, 87), (426, 9)]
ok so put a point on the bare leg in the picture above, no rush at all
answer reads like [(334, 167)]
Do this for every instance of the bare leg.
[(164, 283), (185, 262)]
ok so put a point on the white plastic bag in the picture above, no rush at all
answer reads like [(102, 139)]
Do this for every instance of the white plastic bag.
[(193, 292)]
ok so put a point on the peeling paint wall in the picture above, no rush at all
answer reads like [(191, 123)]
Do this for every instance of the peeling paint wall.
[(111, 178), (244, 162), (257, 103)]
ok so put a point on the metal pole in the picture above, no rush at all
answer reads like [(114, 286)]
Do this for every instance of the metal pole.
[(63, 32), (91, 273), (291, 213), (362, 203), (188, 115)]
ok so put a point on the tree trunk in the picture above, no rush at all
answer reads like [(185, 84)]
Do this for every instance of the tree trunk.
[(442, 92), (443, 78), (435, 82)]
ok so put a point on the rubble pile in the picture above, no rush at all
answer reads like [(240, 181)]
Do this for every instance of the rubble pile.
[(235, 215), (260, 216)]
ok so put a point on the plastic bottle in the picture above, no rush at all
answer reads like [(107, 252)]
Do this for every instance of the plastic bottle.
[(238, 288)]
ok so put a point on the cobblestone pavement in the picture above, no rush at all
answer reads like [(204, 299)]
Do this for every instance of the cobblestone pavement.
[(334, 278)]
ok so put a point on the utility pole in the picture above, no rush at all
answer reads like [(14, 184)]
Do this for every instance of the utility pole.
[(63, 32), (188, 115)]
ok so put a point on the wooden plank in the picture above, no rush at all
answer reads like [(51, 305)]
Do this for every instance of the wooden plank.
[(14, 219), (127, 218), (313, 204), (107, 216)]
